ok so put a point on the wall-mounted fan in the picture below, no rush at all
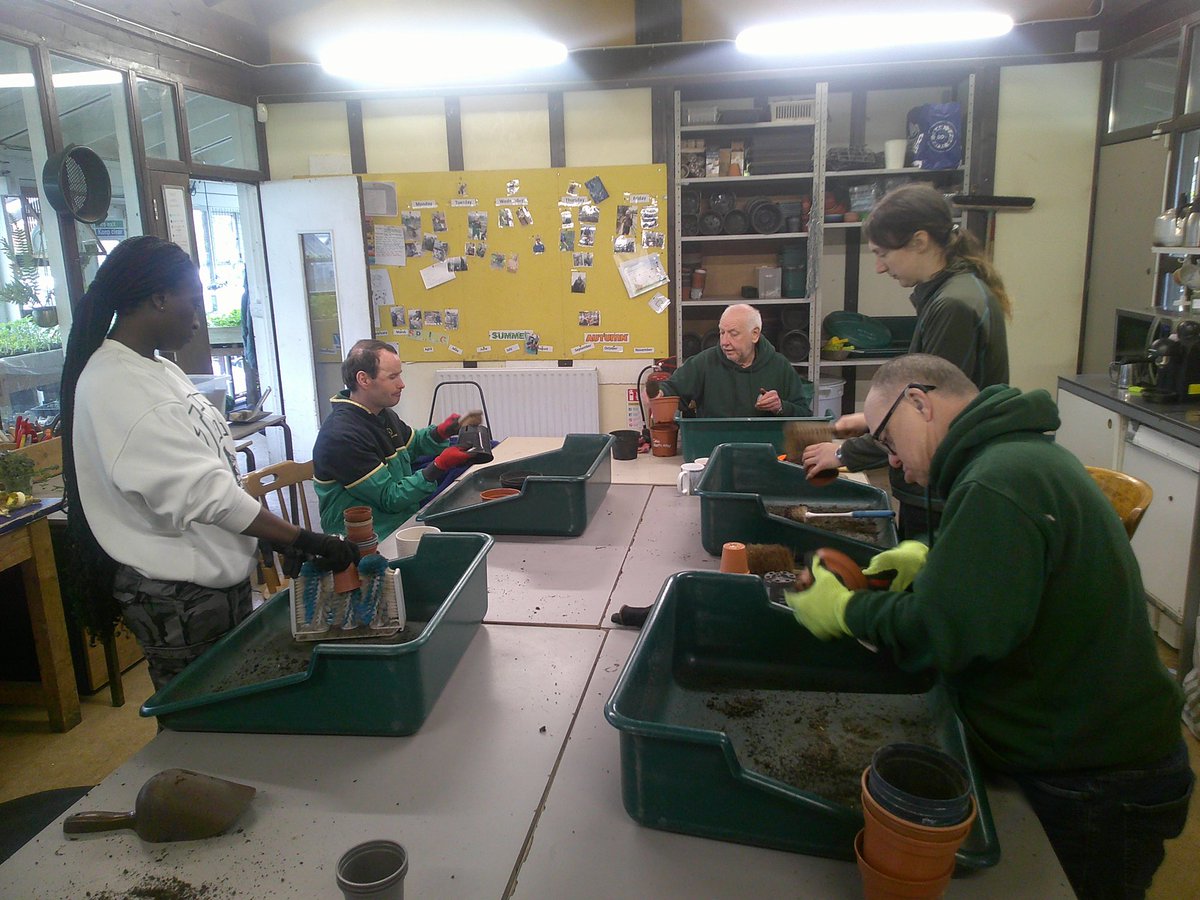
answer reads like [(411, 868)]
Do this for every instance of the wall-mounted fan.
[(77, 183)]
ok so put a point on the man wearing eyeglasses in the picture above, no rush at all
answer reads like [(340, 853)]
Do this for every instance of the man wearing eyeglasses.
[(1030, 604)]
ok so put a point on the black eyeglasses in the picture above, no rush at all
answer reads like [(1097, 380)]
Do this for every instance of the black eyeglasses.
[(877, 434)]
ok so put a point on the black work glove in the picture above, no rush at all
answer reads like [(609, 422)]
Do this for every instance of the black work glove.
[(328, 553)]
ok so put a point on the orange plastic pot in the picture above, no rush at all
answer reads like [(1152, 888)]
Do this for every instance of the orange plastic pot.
[(846, 570), (346, 580), (360, 531), (357, 514), (905, 850), (879, 885), (498, 493), (734, 558)]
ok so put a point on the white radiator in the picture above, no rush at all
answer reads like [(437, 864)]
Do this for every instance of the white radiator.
[(525, 402)]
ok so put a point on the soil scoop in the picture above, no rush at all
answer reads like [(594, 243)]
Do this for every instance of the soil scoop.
[(174, 805)]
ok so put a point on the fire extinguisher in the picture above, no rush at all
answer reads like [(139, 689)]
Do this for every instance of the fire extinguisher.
[(660, 371)]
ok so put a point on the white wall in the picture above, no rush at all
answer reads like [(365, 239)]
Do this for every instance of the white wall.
[(409, 135), (1045, 150), (296, 132)]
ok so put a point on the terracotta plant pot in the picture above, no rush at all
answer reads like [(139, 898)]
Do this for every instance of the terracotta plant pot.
[(905, 850), (357, 514), (498, 493), (664, 439), (663, 409), (879, 885), (734, 558)]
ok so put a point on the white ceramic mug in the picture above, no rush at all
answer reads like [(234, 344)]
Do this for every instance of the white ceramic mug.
[(689, 477), (408, 539)]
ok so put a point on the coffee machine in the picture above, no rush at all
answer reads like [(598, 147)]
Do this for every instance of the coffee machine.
[(1178, 360)]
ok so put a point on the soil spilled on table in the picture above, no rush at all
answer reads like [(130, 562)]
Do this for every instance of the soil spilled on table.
[(816, 741), (867, 529), (279, 654), (162, 887)]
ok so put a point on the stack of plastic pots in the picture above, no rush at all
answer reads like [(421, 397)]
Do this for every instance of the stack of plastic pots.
[(360, 530), (917, 811), (793, 259)]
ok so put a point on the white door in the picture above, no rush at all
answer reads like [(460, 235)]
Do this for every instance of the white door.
[(312, 229)]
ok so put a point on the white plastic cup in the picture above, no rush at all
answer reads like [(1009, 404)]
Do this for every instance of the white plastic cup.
[(409, 539), (688, 478), (893, 153), (701, 462)]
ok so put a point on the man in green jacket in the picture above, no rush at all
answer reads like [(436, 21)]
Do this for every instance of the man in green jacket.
[(743, 376), (364, 453), (1030, 604)]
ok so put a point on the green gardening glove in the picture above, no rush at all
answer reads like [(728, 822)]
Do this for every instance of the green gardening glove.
[(822, 608), (905, 559)]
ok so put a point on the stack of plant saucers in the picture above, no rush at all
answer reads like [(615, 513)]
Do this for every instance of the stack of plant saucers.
[(917, 810)]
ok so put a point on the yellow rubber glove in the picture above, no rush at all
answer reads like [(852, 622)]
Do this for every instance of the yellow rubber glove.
[(822, 608), (905, 559)]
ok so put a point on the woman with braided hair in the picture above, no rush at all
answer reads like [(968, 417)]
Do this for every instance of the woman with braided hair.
[(961, 309), (163, 536)]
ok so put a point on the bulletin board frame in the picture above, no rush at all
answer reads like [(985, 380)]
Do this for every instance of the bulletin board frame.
[(516, 265)]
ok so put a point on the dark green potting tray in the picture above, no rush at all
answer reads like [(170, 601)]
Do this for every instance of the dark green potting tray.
[(560, 501), (742, 480), (709, 632), (699, 437), (348, 688)]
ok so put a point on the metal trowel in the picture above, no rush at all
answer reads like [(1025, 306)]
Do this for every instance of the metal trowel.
[(174, 805)]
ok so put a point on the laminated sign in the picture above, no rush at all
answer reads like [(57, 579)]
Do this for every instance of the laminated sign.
[(935, 135)]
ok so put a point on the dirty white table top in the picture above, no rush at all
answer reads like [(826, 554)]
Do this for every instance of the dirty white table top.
[(512, 787)]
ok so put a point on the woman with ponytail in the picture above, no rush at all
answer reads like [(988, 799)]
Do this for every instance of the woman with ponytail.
[(961, 309), (163, 536)]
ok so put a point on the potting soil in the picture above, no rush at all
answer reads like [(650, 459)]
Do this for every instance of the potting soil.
[(279, 655), (817, 741)]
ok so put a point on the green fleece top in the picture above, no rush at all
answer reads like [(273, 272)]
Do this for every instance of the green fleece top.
[(960, 320), (722, 389), (1030, 603), (362, 458)]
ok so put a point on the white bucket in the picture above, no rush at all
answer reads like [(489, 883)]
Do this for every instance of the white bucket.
[(829, 397), (408, 540)]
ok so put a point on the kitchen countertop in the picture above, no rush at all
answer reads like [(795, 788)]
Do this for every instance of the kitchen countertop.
[(512, 786), (1177, 420)]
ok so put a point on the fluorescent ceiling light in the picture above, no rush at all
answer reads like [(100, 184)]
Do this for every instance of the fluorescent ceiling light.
[(86, 79), (63, 79), (442, 57), (837, 34)]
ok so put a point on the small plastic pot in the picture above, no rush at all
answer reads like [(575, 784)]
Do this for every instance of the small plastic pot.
[(498, 493), (357, 514), (921, 784), (374, 870), (515, 478), (625, 444)]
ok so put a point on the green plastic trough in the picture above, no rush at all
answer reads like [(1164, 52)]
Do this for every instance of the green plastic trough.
[(560, 501), (359, 688), (709, 632), (700, 437), (742, 480)]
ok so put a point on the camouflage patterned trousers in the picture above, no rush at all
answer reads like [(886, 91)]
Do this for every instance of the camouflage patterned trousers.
[(176, 621)]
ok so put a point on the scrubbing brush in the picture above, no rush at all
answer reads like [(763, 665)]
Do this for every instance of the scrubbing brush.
[(802, 514), (799, 435), (764, 558)]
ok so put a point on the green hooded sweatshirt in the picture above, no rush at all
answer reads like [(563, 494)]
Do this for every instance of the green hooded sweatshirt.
[(723, 389), (1030, 603)]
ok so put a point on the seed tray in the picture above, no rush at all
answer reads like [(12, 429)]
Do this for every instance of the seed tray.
[(560, 501), (369, 687), (743, 481), (715, 634), (700, 437)]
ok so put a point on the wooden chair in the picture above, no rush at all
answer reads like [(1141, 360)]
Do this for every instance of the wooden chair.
[(1130, 496), (292, 505)]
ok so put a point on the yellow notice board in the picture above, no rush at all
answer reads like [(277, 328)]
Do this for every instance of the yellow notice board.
[(520, 264)]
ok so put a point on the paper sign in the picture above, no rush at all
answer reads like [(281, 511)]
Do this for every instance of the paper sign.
[(381, 288), (379, 198), (659, 302), (436, 274), (389, 245), (582, 348)]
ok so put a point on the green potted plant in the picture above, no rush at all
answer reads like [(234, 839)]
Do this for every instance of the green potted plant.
[(22, 287), (16, 472), (24, 336)]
